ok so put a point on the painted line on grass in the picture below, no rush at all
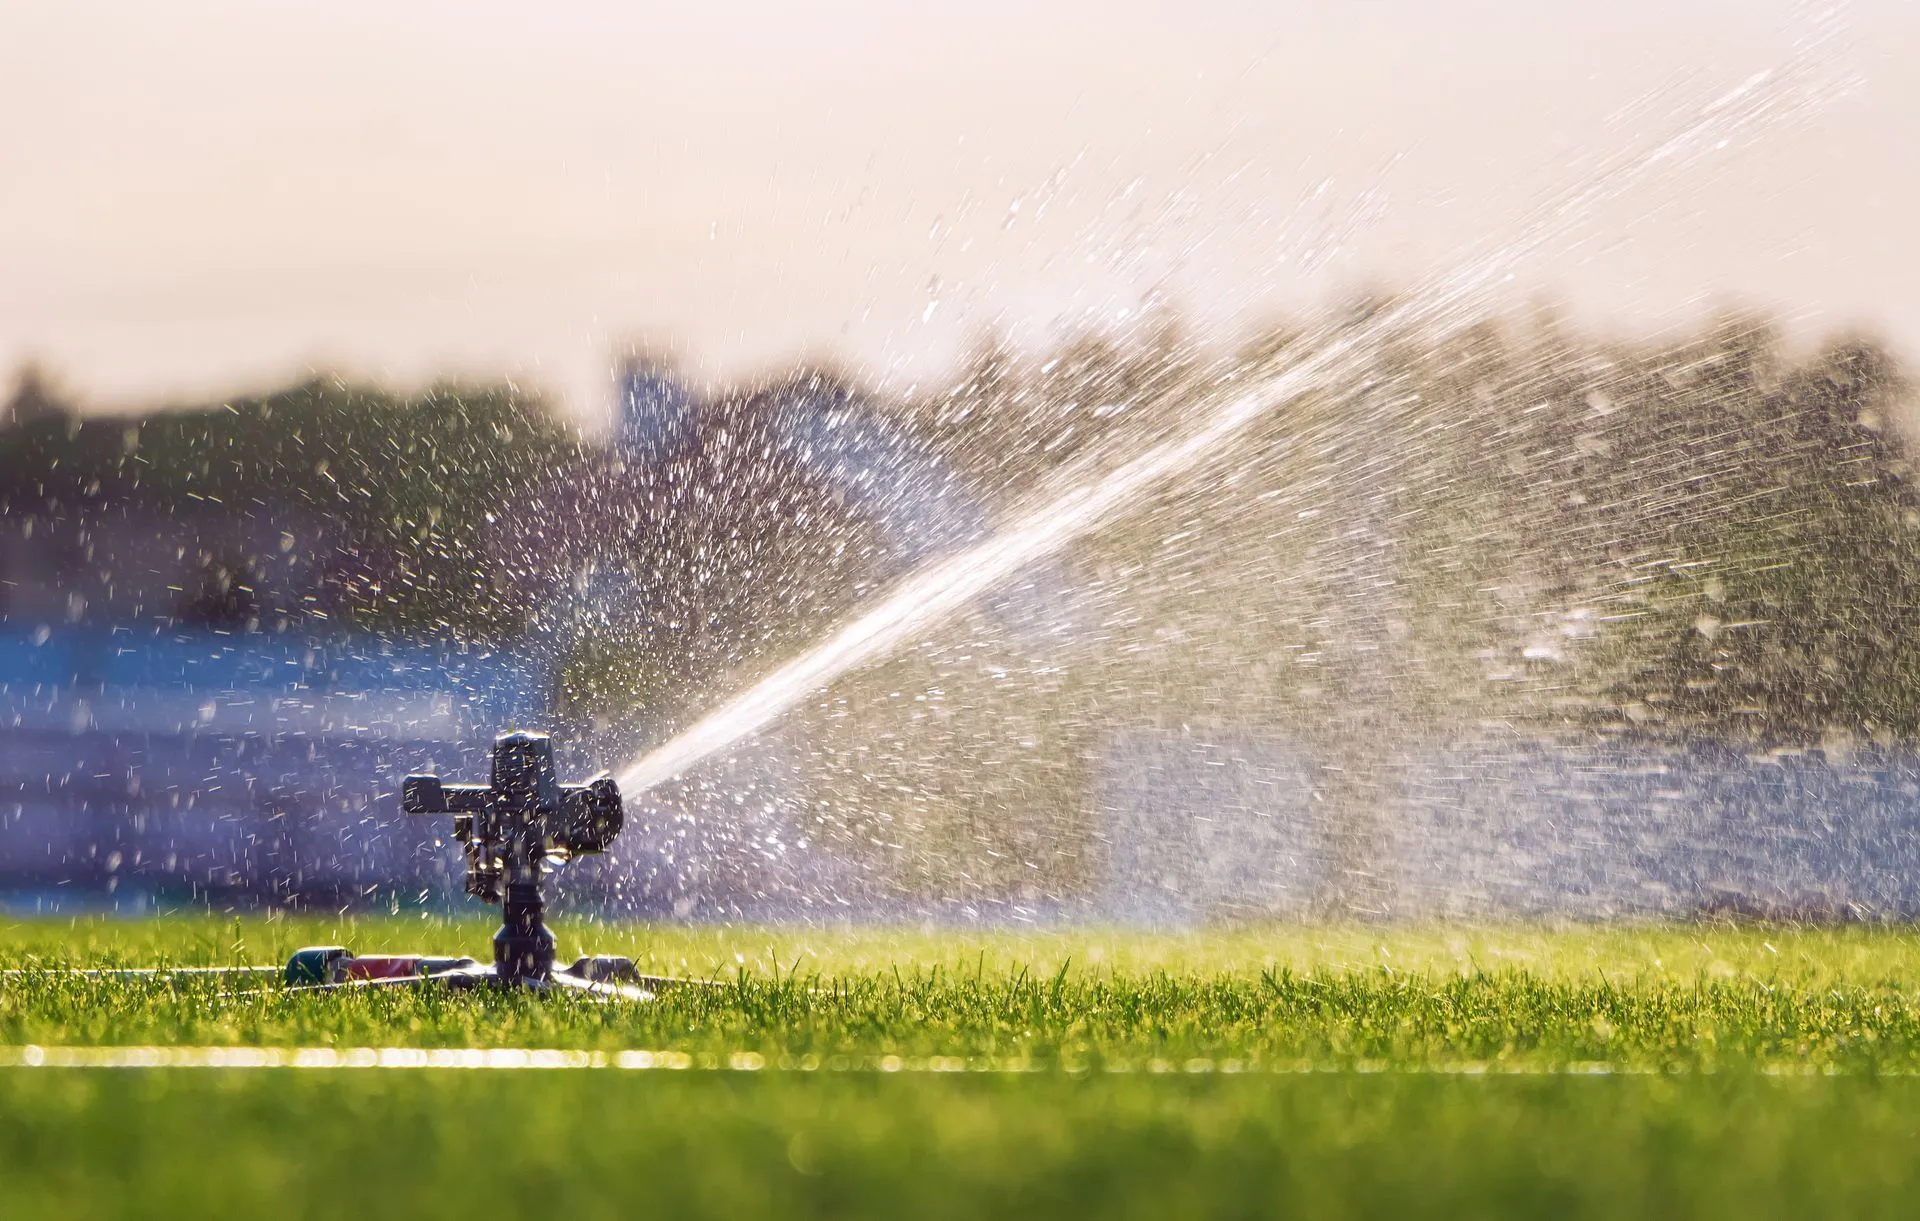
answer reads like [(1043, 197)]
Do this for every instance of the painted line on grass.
[(523, 1058)]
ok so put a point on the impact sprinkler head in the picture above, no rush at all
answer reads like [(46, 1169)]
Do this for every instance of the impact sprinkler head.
[(509, 829), (524, 817)]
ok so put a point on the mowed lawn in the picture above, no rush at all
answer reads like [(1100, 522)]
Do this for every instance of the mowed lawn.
[(187, 1143), (1325, 1072)]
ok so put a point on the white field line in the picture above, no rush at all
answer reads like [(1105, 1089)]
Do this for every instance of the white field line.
[(34, 1056)]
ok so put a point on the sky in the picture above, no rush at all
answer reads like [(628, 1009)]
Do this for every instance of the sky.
[(204, 198)]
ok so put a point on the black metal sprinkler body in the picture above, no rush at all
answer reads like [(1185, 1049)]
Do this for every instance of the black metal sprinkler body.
[(509, 829)]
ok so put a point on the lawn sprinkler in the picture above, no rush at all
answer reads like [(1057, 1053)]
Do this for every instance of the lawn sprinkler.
[(509, 829)]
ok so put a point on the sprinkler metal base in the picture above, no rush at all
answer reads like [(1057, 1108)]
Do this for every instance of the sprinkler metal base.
[(600, 977)]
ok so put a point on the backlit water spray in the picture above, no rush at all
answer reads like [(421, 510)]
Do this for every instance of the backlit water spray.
[(1445, 303)]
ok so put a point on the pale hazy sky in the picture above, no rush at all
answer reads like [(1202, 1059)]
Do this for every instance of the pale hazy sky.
[(201, 196)]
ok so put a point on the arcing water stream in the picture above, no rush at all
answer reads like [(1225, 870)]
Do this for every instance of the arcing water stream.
[(946, 586)]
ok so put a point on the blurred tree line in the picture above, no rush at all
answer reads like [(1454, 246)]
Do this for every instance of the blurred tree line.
[(402, 490), (1701, 537), (1776, 550)]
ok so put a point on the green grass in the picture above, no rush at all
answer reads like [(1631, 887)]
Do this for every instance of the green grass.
[(589, 1145), (1763, 1073), (1678, 998)]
